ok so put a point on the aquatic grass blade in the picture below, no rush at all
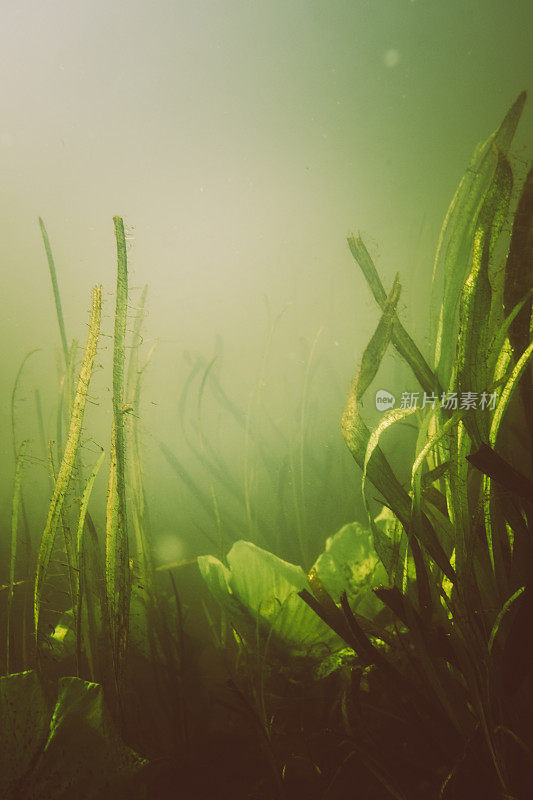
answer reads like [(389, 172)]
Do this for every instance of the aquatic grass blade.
[(55, 288), (518, 281), (455, 241), (401, 340), (80, 560), (14, 539), (69, 456), (355, 432), (472, 358), (507, 393), (117, 557)]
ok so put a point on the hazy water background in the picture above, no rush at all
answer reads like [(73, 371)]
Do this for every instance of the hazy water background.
[(241, 142)]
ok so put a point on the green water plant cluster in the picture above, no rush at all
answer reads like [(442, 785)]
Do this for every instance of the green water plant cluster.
[(452, 667), (260, 592), (397, 665)]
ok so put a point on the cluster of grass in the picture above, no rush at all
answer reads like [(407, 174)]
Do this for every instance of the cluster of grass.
[(438, 701), (458, 556), (398, 665), (299, 463)]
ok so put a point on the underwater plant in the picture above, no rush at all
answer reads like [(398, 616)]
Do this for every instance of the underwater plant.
[(397, 665), (444, 652), (74, 752), (258, 590), (458, 557)]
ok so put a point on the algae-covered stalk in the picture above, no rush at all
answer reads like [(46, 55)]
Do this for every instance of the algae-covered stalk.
[(69, 456), (81, 581), (355, 433), (455, 241), (55, 287), (14, 535), (117, 560), (26, 539)]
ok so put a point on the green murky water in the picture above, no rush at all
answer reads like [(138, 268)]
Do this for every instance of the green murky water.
[(266, 401)]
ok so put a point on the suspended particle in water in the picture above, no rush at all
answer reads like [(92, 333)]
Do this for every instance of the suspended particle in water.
[(391, 58), (169, 548)]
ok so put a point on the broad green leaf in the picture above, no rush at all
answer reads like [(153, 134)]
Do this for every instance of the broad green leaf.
[(259, 586), (335, 661), (269, 587), (23, 728), (257, 575), (75, 754), (390, 543), (84, 756), (349, 564), (62, 640)]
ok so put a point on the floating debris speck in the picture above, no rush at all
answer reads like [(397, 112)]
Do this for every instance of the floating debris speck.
[(391, 58)]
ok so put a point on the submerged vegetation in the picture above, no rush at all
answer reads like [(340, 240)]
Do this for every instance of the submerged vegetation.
[(397, 663)]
